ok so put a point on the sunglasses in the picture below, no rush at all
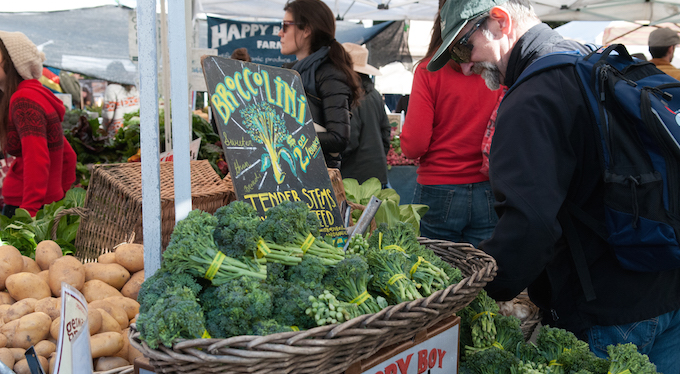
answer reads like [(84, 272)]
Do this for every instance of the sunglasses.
[(285, 24), (461, 51)]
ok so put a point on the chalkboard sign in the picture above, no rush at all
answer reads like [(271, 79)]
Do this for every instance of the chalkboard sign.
[(269, 140)]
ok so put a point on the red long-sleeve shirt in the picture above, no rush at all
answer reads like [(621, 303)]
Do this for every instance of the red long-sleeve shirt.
[(446, 119), (45, 165)]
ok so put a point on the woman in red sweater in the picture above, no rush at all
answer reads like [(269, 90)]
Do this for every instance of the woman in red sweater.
[(447, 116), (30, 129)]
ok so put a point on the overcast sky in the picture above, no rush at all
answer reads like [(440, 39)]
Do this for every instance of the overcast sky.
[(52, 5)]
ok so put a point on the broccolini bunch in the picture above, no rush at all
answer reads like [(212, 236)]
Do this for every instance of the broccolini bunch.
[(236, 236), (428, 277), (192, 249), (508, 332), (490, 361), (291, 287), (176, 314), (552, 342), (292, 225), (403, 236), (350, 277), (390, 275), (156, 286), (236, 308), (327, 310), (358, 245), (477, 322), (625, 357)]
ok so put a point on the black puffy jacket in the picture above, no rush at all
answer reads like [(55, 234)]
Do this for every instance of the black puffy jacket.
[(331, 110)]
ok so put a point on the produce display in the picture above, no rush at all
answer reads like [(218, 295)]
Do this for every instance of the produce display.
[(492, 343), (84, 137), (394, 155), (30, 308), (25, 232), (232, 274)]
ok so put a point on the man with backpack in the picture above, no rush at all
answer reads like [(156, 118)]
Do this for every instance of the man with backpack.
[(549, 183)]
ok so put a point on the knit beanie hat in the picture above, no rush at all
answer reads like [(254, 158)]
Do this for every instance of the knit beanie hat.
[(24, 54)]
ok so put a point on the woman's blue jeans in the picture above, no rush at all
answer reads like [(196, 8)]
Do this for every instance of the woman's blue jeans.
[(458, 212), (658, 338)]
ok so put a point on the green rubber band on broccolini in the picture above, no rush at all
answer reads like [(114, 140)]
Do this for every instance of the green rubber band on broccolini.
[(192, 249)]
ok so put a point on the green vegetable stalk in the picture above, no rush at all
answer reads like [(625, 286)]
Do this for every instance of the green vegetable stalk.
[(626, 358), (236, 236), (350, 276), (292, 226), (480, 317), (193, 249), (175, 315), (430, 278), (327, 310), (390, 275)]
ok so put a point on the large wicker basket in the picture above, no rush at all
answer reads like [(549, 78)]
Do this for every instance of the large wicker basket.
[(329, 349), (113, 205)]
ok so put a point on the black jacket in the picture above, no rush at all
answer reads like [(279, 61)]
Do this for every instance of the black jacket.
[(331, 110), (543, 153), (366, 155)]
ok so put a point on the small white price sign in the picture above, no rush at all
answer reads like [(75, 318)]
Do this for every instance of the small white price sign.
[(73, 345)]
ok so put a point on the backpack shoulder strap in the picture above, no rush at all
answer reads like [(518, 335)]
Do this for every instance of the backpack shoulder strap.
[(544, 63)]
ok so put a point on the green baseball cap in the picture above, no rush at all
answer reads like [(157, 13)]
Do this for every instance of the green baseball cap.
[(455, 14)]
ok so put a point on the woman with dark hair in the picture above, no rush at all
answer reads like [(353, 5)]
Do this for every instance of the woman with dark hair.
[(445, 124), (30, 129), (331, 85)]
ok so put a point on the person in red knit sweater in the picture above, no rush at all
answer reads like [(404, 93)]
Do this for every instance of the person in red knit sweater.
[(447, 117), (30, 129)]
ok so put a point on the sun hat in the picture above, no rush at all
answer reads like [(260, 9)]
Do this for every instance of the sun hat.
[(26, 57), (663, 37), (455, 14), (359, 55)]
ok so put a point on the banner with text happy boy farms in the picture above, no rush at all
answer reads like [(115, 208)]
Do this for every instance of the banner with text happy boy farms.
[(269, 140)]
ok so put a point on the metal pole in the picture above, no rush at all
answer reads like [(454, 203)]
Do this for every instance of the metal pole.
[(167, 85), (151, 175), (181, 127)]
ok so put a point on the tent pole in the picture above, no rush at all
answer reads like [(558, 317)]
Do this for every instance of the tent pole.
[(181, 127), (166, 78), (148, 87)]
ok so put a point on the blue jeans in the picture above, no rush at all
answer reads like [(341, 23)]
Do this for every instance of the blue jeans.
[(658, 338), (458, 212)]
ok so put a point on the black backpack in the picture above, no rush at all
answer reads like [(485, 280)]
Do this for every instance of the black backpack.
[(637, 110)]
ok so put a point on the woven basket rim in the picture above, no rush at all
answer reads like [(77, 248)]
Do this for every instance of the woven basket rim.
[(251, 350)]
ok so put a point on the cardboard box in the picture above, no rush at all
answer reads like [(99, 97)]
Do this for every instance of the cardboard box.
[(142, 366), (432, 351)]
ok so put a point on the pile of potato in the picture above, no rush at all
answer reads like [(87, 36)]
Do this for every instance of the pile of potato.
[(30, 308)]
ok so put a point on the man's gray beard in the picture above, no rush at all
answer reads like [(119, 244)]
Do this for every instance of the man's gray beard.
[(490, 74)]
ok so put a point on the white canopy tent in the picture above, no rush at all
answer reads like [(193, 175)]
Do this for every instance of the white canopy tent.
[(549, 10), (633, 35)]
